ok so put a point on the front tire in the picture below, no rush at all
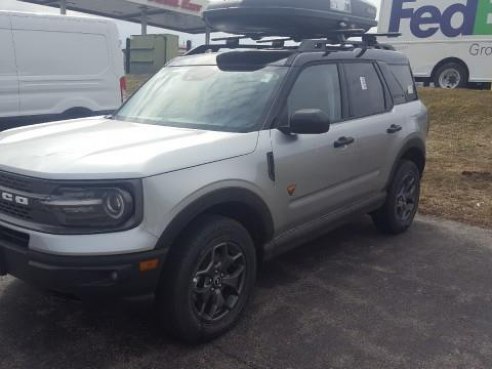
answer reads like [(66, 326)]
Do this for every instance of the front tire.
[(209, 279), (398, 212)]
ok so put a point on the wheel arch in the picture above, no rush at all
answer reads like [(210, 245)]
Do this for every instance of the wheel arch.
[(452, 59), (240, 204), (77, 112), (414, 150)]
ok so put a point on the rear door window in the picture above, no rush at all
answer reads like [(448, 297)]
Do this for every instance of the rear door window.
[(365, 90)]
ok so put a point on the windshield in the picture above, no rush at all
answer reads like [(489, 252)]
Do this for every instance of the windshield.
[(204, 97)]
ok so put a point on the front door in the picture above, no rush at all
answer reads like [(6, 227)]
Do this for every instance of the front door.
[(316, 174)]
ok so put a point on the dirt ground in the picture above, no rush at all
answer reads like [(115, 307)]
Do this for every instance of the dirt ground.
[(352, 299)]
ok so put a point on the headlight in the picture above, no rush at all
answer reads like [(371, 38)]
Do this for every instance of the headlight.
[(91, 207)]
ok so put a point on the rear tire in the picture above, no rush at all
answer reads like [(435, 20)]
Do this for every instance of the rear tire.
[(398, 212), (209, 279), (77, 113), (451, 75)]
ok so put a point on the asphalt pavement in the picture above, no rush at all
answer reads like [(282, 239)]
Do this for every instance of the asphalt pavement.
[(353, 299)]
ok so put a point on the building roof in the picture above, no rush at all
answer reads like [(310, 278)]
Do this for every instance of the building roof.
[(177, 15)]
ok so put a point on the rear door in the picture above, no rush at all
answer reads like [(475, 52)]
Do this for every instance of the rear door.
[(408, 114), (372, 116), (9, 83)]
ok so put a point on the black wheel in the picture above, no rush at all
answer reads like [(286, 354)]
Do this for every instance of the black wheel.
[(451, 75), (210, 277), (400, 208), (77, 113)]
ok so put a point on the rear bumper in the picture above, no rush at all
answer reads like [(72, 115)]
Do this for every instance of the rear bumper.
[(83, 276)]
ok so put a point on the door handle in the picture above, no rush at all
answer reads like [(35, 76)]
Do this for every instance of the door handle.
[(344, 141), (394, 129)]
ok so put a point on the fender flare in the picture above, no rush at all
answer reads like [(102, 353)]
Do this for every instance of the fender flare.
[(212, 199), (413, 143)]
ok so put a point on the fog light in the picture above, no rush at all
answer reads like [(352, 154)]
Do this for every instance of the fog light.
[(114, 276)]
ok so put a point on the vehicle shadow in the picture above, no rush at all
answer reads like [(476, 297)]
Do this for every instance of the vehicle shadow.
[(42, 330)]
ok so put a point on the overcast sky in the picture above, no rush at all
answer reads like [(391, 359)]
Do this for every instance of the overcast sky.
[(126, 28)]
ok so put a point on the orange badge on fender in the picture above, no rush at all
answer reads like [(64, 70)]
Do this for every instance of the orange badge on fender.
[(291, 189)]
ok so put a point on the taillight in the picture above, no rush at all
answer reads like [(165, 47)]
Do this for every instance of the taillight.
[(124, 94)]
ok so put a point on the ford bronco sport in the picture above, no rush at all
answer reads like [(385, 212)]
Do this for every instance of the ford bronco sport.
[(226, 157)]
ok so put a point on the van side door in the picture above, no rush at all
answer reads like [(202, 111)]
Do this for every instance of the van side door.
[(9, 82)]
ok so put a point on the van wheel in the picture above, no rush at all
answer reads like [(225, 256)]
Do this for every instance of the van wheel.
[(399, 210), (451, 75), (210, 277), (76, 113)]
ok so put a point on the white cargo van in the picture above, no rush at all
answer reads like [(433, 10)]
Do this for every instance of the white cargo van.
[(52, 65), (448, 42)]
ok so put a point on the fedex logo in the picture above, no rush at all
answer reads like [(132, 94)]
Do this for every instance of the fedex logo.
[(465, 18)]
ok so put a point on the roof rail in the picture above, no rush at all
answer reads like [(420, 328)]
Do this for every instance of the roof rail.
[(335, 40), (217, 47)]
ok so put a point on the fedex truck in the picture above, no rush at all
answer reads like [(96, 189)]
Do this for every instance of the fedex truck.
[(449, 42)]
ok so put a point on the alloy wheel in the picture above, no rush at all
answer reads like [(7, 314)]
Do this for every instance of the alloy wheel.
[(218, 282), (407, 198)]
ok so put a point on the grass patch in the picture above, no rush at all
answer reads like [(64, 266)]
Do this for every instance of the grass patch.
[(458, 179)]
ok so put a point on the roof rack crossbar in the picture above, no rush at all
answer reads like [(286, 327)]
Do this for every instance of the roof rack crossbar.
[(217, 47), (335, 40), (323, 45), (277, 43)]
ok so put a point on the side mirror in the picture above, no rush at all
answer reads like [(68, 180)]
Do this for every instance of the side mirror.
[(309, 122)]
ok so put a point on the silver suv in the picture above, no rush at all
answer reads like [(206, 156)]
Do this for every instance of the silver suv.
[(225, 158)]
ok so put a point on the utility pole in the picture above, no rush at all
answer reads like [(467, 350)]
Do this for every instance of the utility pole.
[(144, 20), (63, 7), (207, 35)]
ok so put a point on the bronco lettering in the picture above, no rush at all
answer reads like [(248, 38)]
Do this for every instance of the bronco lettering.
[(21, 200)]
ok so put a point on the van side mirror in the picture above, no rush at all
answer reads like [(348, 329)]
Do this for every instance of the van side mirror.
[(309, 122)]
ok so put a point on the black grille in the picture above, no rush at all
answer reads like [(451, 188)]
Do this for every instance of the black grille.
[(14, 237), (16, 182), (15, 210)]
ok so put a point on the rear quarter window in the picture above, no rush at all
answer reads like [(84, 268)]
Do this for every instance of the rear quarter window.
[(404, 78)]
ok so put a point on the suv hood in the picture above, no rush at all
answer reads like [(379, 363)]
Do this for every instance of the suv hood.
[(100, 148)]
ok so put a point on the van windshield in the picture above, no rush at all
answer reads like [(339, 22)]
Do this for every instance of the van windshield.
[(204, 97)]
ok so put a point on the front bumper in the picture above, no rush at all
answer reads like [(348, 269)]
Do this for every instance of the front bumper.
[(83, 276)]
